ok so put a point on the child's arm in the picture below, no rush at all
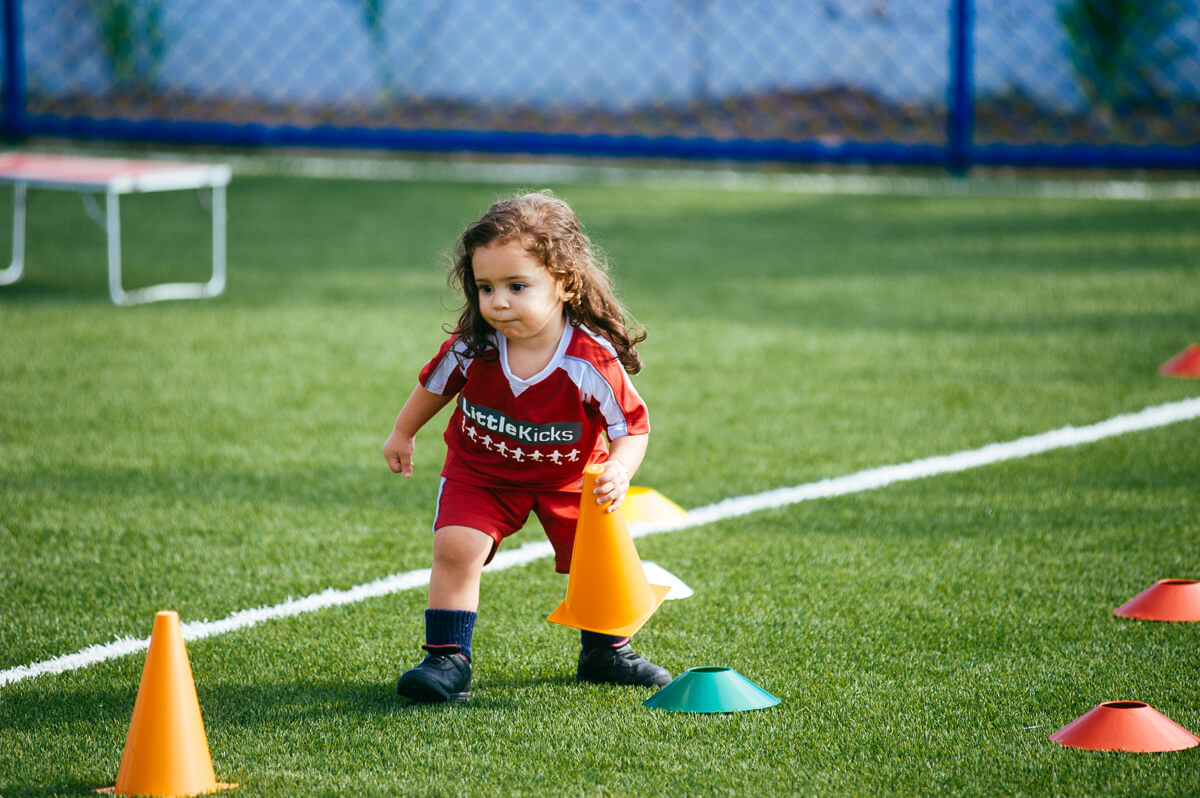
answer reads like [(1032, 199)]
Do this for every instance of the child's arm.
[(625, 454), (421, 406)]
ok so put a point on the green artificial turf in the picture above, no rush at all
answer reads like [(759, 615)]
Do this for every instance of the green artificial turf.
[(926, 638)]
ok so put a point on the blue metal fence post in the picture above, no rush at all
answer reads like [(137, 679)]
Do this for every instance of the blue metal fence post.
[(14, 72), (960, 116)]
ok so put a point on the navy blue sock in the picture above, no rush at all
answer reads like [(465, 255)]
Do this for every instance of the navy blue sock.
[(450, 628), (590, 641)]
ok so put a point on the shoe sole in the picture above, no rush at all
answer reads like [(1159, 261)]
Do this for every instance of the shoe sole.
[(618, 682), (425, 693)]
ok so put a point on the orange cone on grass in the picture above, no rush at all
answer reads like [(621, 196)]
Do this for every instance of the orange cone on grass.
[(1185, 364), (648, 506), (607, 590), (1125, 726), (1165, 600), (166, 751)]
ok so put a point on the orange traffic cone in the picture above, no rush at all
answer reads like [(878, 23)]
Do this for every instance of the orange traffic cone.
[(1125, 726), (166, 751), (1185, 364), (607, 590)]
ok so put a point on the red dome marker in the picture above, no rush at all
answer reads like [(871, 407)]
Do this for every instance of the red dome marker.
[(1125, 726), (1165, 600), (1185, 364)]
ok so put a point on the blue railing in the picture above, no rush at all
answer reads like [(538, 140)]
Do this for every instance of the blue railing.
[(1060, 83)]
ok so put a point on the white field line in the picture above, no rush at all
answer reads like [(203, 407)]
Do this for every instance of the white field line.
[(870, 479)]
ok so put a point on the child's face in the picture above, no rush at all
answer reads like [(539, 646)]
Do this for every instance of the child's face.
[(518, 297)]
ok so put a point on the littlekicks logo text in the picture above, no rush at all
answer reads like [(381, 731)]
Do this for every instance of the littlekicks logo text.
[(523, 431)]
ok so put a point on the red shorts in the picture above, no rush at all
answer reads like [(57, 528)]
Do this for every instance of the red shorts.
[(499, 512)]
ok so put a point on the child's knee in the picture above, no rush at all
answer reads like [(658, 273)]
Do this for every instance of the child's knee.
[(461, 547)]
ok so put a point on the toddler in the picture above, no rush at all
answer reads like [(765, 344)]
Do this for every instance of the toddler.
[(538, 366)]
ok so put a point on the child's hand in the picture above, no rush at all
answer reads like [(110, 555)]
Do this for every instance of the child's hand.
[(398, 449), (612, 485)]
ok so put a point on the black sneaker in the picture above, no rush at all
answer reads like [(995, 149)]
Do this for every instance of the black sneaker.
[(620, 665), (444, 675)]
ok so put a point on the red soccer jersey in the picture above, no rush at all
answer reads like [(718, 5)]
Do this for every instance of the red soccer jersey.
[(537, 433)]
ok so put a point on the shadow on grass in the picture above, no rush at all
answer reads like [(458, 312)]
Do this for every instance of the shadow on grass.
[(27, 713), (63, 788), (510, 689), (33, 712), (245, 713), (242, 710), (32, 291)]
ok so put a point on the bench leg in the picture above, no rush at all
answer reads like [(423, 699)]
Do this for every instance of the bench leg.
[(112, 226), (15, 269), (216, 286), (164, 291)]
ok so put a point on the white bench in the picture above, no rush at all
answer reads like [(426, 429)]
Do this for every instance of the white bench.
[(114, 177)]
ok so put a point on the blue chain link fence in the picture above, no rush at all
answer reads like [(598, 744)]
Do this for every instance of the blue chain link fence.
[(953, 84)]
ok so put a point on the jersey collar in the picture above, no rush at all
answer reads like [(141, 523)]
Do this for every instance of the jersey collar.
[(519, 385)]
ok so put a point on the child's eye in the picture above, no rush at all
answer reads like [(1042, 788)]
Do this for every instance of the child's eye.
[(518, 287), (485, 289)]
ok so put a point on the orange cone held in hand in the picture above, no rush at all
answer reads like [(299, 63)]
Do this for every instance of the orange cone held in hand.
[(607, 590), (166, 751)]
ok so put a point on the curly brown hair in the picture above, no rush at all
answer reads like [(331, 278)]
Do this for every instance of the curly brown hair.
[(549, 231)]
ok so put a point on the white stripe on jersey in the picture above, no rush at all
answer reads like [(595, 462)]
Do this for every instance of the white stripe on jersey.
[(592, 385), (437, 505), (455, 358)]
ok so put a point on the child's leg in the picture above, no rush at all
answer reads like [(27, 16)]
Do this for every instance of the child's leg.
[(590, 641), (459, 553), (470, 522), (602, 658)]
